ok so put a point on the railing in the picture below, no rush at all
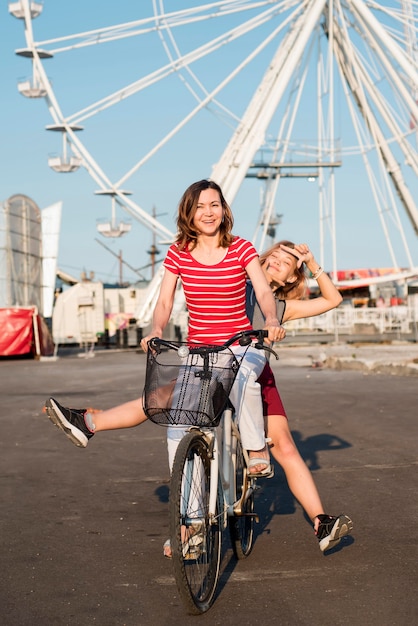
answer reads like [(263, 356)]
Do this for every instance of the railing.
[(402, 319)]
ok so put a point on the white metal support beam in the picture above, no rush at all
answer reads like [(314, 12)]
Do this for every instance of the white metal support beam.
[(232, 167), (349, 68), (381, 34)]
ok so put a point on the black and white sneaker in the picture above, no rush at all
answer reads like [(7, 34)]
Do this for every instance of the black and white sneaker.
[(71, 421), (331, 529)]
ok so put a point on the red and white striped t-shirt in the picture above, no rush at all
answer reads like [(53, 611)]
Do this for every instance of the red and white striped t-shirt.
[(215, 294)]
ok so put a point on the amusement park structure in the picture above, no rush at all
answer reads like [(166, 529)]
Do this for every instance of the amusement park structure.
[(296, 52)]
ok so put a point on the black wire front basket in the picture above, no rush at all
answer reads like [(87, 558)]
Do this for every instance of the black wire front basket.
[(187, 385)]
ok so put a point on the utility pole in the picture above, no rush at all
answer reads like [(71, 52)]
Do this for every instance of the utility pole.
[(153, 251)]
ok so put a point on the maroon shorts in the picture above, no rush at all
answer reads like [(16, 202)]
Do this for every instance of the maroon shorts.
[(272, 402)]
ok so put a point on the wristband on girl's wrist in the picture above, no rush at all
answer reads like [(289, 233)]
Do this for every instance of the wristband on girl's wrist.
[(318, 273)]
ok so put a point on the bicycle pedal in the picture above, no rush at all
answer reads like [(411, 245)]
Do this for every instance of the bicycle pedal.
[(192, 555)]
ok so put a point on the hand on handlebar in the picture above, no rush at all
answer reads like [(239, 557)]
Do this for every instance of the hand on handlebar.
[(275, 332), (145, 340)]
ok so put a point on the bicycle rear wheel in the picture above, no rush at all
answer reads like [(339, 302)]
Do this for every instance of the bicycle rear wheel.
[(195, 539), (241, 526)]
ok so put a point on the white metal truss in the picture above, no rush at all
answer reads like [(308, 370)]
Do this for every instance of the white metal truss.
[(236, 159)]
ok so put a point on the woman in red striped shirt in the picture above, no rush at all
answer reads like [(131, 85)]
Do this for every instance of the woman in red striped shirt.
[(213, 266)]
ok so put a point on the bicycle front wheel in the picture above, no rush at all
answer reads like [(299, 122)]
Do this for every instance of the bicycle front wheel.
[(241, 524), (195, 538)]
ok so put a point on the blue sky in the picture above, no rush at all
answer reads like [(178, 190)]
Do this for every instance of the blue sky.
[(118, 137)]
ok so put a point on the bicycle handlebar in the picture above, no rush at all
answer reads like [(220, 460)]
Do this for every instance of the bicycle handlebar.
[(244, 338)]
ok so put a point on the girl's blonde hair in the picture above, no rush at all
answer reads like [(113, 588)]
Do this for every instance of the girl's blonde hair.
[(297, 290), (186, 233)]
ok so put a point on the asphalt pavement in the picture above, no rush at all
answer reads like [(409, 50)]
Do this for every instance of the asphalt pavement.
[(82, 530)]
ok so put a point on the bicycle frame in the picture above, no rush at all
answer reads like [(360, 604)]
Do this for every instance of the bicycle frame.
[(223, 464), (210, 488)]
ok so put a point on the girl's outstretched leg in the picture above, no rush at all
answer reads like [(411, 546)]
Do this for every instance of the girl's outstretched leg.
[(329, 529), (80, 425)]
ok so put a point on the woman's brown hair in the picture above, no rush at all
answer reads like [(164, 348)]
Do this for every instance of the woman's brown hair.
[(297, 290), (186, 233)]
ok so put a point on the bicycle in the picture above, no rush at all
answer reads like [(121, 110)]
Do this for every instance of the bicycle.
[(188, 386)]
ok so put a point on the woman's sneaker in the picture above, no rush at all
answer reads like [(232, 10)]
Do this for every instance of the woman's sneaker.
[(71, 421), (331, 529)]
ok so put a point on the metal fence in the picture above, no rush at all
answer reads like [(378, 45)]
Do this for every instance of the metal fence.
[(348, 320)]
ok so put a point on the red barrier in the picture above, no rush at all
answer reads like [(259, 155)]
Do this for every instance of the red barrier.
[(24, 331)]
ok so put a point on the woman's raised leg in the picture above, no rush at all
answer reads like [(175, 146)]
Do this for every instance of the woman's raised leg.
[(80, 425), (298, 475), (329, 529)]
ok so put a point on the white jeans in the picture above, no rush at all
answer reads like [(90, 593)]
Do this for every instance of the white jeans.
[(245, 396)]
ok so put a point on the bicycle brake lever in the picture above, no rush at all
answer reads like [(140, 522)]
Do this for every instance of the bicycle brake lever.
[(262, 346)]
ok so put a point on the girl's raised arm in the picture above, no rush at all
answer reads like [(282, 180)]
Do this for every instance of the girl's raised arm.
[(330, 297)]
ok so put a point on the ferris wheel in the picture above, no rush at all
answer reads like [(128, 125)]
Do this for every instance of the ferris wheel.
[(267, 91)]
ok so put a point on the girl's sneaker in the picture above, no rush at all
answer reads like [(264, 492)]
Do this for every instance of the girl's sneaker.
[(331, 529), (71, 421)]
